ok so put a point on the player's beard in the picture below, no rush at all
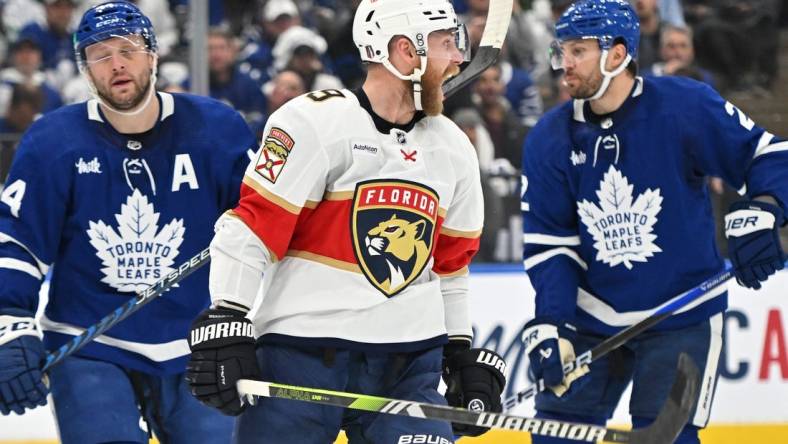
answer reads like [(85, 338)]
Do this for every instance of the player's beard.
[(432, 82), (585, 87), (141, 85)]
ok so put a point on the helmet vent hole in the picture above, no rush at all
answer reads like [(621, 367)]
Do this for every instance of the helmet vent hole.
[(369, 16)]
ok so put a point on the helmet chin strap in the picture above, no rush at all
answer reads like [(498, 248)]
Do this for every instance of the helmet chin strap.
[(607, 76), (139, 108), (415, 78)]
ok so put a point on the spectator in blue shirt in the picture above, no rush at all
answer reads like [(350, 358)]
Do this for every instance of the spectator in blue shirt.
[(228, 83), (257, 53), (54, 37), (25, 106), (25, 70)]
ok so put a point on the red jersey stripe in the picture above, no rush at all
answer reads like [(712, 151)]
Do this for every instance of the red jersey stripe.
[(452, 254)]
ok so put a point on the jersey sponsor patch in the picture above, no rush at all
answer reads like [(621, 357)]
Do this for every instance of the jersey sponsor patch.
[(273, 154), (622, 229), (138, 254), (393, 227)]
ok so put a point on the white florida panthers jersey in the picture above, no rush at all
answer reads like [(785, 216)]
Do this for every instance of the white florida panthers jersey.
[(368, 228)]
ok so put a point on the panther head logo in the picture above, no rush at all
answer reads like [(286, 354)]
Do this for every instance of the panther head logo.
[(393, 225), (401, 244), (275, 148)]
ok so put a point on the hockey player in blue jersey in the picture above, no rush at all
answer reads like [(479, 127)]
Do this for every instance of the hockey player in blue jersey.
[(617, 220), (109, 196)]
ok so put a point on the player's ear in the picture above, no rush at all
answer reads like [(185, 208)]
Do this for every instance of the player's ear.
[(403, 46), (616, 56)]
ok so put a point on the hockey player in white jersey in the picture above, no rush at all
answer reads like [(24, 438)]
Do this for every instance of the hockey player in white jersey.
[(363, 210), (617, 222), (111, 195)]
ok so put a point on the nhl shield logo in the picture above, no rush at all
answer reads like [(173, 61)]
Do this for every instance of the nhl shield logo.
[(393, 227), (273, 154)]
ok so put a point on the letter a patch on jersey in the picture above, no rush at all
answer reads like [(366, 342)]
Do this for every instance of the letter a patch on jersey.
[(273, 154), (393, 226)]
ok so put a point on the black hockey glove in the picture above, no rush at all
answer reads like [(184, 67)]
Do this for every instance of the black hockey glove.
[(753, 231), (549, 346), (223, 351), (474, 380)]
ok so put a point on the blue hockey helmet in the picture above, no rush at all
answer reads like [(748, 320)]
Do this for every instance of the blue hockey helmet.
[(112, 19), (604, 20)]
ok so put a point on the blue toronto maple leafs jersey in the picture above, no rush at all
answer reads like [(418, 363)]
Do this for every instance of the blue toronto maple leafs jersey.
[(616, 213), (111, 214)]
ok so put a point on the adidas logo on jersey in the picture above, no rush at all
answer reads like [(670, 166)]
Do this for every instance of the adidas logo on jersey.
[(221, 330)]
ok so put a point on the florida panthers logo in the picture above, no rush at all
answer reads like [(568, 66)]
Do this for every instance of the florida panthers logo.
[(393, 227)]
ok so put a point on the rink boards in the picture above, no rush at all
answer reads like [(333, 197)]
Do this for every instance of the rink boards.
[(751, 403)]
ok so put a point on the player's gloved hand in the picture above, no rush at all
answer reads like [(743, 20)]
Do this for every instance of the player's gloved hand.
[(474, 380), (21, 357), (752, 228), (223, 351), (548, 346)]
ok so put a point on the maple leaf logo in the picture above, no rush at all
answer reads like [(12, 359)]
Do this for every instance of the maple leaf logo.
[(138, 254), (622, 230)]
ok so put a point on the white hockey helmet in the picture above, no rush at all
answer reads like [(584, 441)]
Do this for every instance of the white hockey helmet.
[(377, 21)]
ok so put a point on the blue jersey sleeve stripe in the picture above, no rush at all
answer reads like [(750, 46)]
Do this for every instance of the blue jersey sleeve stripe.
[(537, 259), (606, 314), (20, 265), (765, 140), (773, 148), (157, 352), (547, 239), (42, 267)]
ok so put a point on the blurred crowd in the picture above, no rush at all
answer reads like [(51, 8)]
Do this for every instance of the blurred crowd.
[(262, 53)]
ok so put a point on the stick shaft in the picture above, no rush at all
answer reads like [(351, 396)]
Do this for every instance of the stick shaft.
[(127, 309), (377, 404), (626, 334)]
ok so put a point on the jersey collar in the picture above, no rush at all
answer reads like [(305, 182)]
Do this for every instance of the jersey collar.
[(583, 113), (165, 100), (382, 125)]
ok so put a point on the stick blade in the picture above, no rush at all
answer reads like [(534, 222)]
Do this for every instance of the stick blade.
[(677, 409)]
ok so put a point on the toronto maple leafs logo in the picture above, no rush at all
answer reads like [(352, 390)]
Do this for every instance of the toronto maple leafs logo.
[(622, 230), (138, 253)]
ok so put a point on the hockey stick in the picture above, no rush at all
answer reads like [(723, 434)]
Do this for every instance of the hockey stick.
[(142, 297), (670, 420), (499, 13), (628, 333)]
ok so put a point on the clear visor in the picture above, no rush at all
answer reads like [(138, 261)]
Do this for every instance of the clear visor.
[(570, 52), (127, 47), (453, 45)]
